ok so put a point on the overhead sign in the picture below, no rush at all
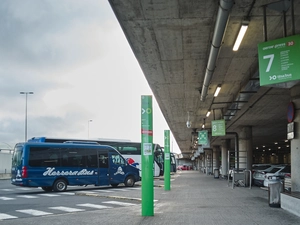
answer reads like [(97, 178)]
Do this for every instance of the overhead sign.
[(202, 137), (279, 60), (218, 128)]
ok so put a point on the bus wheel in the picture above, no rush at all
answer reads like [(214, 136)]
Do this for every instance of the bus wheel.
[(60, 185), (114, 185), (48, 189), (129, 181)]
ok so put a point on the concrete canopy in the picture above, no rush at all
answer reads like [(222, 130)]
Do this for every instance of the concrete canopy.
[(172, 41)]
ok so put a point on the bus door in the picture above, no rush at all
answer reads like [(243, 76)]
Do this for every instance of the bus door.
[(117, 169), (103, 168)]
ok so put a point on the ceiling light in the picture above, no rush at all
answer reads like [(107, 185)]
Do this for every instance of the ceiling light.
[(241, 34), (217, 90), (208, 113)]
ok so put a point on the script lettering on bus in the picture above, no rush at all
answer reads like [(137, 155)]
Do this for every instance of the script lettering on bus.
[(50, 171)]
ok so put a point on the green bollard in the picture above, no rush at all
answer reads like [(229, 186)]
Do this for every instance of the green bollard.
[(147, 157)]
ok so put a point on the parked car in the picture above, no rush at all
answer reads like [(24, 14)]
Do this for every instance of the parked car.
[(277, 174), (183, 167), (260, 167), (258, 176)]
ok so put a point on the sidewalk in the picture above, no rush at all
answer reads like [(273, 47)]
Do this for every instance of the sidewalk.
[(196, 198)]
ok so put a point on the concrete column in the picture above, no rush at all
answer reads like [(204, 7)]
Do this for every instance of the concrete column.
[(216, 157), (208, 161), (295, 143), (245, 148), (224, 148)]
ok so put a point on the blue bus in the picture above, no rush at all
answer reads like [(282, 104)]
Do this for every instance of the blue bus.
[(131, 151), (54, 166)]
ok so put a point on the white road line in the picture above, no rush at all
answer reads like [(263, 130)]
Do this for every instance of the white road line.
[(25, 189), (119, 189), (67, 209), (6, 189), (104, 191), (6, 198), (88, 192), (67, 193), (49, 195), (34, 212), (136, 188), (4, 216), (94, 206), (26, 196), (120, 203)]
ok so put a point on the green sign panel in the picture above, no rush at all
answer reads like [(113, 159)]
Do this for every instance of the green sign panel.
[(167, 163), (147, 156), (218, 128), (203, 137), (279, 60)]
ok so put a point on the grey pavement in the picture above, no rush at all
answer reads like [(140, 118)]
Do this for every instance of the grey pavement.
[(194, 198)]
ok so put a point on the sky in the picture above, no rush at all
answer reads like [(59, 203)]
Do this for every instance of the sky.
[(74, 56)]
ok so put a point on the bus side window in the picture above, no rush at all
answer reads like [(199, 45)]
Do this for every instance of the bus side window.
[(117, 159), (103, 160)]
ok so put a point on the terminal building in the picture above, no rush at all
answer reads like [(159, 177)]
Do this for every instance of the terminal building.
[(188, 50)]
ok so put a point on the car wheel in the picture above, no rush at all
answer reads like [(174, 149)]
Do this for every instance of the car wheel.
[(60, 185), (129, 181)]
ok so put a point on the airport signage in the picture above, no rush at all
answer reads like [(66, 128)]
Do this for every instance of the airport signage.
[(203, 137), (218, 128), (279, 60)]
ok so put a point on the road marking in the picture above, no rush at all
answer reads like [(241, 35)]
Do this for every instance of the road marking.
[(6, 189), (26, 196), (135, 188), (34, 212), (49, 195), (6, 198), (104, 191), (25, 189), (119, 189), (94, 206), (87, 192), (67, 193), (120, 203), (4, 216), (67, 209)]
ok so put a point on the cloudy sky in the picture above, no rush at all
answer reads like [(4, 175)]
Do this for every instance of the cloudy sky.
[(75, 58)]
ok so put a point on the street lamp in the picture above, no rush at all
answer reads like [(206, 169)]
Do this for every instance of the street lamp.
[(89, 128), (26, 94)]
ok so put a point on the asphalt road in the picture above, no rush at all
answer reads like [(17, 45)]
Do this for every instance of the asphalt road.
[(18, 204)]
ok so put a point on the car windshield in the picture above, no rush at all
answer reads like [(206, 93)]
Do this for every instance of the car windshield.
[(286, 169), (274, 170), (261, 167)]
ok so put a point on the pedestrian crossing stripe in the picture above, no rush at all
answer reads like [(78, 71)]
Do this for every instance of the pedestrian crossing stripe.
[(94, 206), (120, 203), (26, 196), (119, 190), (6, 198), (49, 195), (67, 193), (34, 212), (67, 209), (6, 189), (4, 216), (104, 191)]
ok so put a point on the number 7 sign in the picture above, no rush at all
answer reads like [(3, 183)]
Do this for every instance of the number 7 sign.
[(278, 60)]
